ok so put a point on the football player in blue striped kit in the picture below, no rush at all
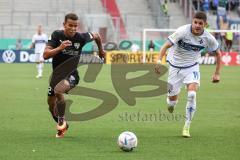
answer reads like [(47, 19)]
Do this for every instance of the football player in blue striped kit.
[(185, 46)]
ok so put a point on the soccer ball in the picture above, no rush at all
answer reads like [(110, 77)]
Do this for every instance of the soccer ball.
[(127, 141)]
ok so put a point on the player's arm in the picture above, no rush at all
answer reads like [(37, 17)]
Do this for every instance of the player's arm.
[(98, 41), (164, 49), (33, 43), (214, 48), (162, 53), (50, 51), (31, 46), (216, 75), (172, 39)]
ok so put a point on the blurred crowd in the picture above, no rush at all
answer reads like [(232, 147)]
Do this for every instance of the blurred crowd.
[(206, 5)]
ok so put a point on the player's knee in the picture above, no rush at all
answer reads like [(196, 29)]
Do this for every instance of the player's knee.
[(58, 90), (61, 88), (171, 102), (192, 96)]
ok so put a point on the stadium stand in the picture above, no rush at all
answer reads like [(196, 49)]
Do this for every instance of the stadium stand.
[(136, 15), (113, 10), (5, 5), (19, 18), (176, 18)]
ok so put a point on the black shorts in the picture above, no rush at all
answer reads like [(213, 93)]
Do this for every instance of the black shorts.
[(73, 80)]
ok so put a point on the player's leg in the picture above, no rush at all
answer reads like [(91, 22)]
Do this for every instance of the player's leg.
[(52, 99), (40, 69), (62, 126), (190, 107), (192, 82), (61, 88), (172, 102), (230, 46), (38, 65), (37, 58), (175, 81), (53, 107)]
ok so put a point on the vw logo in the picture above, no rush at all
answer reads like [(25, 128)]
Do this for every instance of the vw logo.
[(8, 56)]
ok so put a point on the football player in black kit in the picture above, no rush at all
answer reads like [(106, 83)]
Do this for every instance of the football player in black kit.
[(62, 46)]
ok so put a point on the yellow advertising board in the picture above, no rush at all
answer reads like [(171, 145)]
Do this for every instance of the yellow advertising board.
[(127, 57)]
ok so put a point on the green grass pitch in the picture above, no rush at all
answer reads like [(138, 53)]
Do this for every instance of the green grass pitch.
[(27, 131)]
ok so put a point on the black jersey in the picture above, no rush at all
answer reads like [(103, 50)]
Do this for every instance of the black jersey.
[(78, 41)]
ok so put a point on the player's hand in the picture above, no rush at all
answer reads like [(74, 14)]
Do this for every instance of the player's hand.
[(31, 46), (102, 54), (157, 68), (65, 44), (215, 78)]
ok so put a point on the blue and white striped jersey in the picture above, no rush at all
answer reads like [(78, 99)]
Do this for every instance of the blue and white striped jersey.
[(187, 47), (39, 42)]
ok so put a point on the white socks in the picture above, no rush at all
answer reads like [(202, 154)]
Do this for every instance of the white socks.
[(40, 69), (190, 107), (171, 103)]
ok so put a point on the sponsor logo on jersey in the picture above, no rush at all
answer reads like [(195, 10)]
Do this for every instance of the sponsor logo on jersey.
[(76, 45), (189, 47), (40, 41)]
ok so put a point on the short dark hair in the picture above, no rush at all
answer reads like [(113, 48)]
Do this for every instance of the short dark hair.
[(71, 16), (200, 15)]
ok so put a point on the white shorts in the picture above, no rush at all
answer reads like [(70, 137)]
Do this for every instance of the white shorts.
[(39, 57), (177, 77)]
